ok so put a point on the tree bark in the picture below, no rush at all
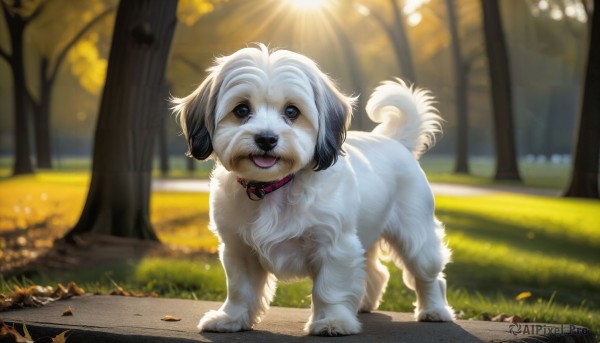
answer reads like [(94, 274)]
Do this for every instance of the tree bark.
[(461, 163), (396, 33), (16, 27), (354, 71), (119, 195), (584, 176), (41, 124), (499, 69), (42, 127), (402, 45), (163, 141)]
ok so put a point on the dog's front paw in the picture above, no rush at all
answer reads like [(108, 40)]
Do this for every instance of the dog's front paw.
[(440, 314), (220, 321), (349, 325)]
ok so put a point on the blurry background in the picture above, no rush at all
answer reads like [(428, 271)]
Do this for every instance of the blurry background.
[(358, 43)]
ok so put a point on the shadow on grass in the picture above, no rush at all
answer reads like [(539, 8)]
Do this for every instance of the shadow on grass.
[(174, 224), (521, 237), (508, 274)]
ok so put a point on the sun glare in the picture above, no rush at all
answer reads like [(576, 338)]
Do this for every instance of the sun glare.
[(308, 5), (411, 9)]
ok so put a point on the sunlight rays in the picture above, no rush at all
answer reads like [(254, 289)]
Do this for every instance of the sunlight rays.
[(308, 5)]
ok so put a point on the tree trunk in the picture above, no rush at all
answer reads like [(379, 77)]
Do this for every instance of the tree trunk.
[(498, 65), (43, 137), (163, 142), (163, 152), (354, 71), (584, 176), (461, 164), (22, 159), (402, 45), (41, 124), (119, 195), (190, 165)]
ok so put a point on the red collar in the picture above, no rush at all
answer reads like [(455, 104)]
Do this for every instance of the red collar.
[(257, 190)]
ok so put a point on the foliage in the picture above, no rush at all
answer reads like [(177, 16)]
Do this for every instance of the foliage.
[(62, 29), (190, 11), (88, 65)]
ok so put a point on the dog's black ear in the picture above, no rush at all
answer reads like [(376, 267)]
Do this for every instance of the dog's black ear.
[(335, 111), (195, 114)]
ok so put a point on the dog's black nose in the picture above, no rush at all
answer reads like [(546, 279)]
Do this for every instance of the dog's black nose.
[(266, 140)]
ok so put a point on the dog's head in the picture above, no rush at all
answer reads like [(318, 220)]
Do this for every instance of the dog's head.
[(265, 115)]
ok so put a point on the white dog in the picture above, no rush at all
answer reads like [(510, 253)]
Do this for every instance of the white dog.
[(292, 196)]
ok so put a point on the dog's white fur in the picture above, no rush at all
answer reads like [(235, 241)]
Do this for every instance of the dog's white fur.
[(346, 197)]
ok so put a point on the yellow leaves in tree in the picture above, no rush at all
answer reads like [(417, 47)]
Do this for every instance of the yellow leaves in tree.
[(87, 64), (189, 11)]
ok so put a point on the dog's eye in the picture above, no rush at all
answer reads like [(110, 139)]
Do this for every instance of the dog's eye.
[(241, 111), (292, 112)]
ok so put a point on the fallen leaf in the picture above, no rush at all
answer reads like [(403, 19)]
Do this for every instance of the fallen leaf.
[(514, 319), (122, 292), (73, 289), (35, 295), (170, 318), (12, 334), (60, 338), (522, 296), (60, 291), (68, 311), (26, 333), (499, 318)]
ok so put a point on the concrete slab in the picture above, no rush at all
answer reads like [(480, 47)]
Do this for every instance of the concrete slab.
[(128, 319)]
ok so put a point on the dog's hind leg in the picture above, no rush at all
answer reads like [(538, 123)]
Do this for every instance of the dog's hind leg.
[(422, 255), (377, 278)]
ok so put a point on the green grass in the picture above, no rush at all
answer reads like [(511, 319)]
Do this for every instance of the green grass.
[(82, 165), (503, 245), (537, 175)]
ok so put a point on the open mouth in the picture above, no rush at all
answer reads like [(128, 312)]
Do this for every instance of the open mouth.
[(264, 161)]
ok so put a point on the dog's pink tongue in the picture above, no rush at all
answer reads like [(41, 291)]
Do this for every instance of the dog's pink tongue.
[(264, 161)]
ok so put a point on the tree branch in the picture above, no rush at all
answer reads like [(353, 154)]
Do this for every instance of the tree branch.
[(6, 56), (35, 13), (190, 64), (74, 40), (8, 19)]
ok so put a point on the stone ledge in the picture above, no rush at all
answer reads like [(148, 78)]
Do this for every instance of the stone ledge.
[(129, 319)]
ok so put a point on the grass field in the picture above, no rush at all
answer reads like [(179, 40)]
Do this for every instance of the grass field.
[(504, 245)]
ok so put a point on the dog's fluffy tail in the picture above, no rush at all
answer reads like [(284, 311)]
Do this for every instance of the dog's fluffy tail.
[(405, 114)]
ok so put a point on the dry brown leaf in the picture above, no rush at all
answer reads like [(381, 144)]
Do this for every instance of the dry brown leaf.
[(68, 312), (170, 318), (73, 289), (60, 338), (12, 334), (35, 295), (26, 333), (60, 291), (120, 291)]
